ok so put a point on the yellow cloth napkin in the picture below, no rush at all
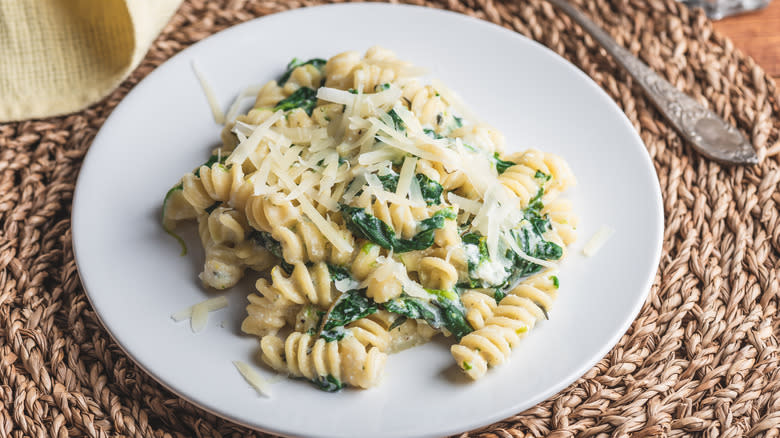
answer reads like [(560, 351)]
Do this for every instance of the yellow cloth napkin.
[(59, 56)]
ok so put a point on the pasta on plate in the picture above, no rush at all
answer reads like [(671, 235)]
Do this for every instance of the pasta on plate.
[(377, 212)]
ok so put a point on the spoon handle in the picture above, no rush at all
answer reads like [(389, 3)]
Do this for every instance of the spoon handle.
[(709, 134)]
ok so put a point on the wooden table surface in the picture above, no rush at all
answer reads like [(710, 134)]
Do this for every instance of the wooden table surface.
[(758, 35)]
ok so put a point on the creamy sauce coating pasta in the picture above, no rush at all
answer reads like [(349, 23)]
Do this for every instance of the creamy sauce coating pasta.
[(376, 212)]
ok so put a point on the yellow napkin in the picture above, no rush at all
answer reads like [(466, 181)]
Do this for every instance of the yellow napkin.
[(59, 56)]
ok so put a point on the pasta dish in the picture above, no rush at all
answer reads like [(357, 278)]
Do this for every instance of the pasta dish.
[(376, 211)]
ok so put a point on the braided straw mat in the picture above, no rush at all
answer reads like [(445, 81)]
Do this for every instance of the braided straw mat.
[(701, 358)]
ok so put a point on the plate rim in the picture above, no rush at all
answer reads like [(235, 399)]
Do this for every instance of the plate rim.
[(564, 382)]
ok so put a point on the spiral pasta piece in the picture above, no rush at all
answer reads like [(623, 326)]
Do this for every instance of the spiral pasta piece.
[(563, 221), (266, 315), (346, 360), (520, 179), (372, 331), (437, 273), (304, 285), (492, 344), (479, 307), (221, 269), (217, 183)]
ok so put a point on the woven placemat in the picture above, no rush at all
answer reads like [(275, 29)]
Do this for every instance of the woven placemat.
[(701, 358)]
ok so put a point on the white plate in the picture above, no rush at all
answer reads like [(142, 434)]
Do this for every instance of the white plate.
[(135, 278)]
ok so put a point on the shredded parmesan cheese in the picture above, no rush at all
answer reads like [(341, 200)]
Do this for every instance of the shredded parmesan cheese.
[(249, 91), (253, 378), (216, 111), (198, 313), (325, 226), (597, 241), (405, 176)]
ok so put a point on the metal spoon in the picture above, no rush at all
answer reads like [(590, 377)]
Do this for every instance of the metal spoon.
[(709, 134)]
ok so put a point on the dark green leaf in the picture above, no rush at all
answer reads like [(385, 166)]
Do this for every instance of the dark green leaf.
[(431, 190), (350, 306), (389, 181), (264, 240), (501, 165), (174, 189), (213, 207), (398, 124), (328, 384), (499, 295), (316, 62), (445, 311), (458, 121), (366, 226), (541, 175), (304, 97), (397, 322), (338, 272)]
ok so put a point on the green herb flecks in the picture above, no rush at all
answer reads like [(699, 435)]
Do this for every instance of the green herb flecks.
[(542, 176), (304, 98), (169, 230), (295, 63), (366, 226), (555, 281), (444, 311), (501, 165), (433, 134), (263, 239), (398, 123), (328, 383), (349, 307)]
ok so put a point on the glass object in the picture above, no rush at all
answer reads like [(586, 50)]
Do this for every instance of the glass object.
[(717, 9)]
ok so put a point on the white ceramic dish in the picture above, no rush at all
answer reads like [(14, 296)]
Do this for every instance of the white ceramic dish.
[(135, 277)]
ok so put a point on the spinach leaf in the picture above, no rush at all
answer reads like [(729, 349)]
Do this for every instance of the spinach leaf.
[(212, 207), (501, 165), (169, 230), (350, 306), (445, 311), (304, 97), (529, 239), (431, 190), (397, 322), (458, 121), (366, 226), (499, 295), (541, 175), (398, 123), (555, 281), (295, 63), (389, 181), (328, 384), (338, 272), (264, 239)]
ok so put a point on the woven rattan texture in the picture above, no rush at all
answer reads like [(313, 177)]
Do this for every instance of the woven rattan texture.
[(702, 357)]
